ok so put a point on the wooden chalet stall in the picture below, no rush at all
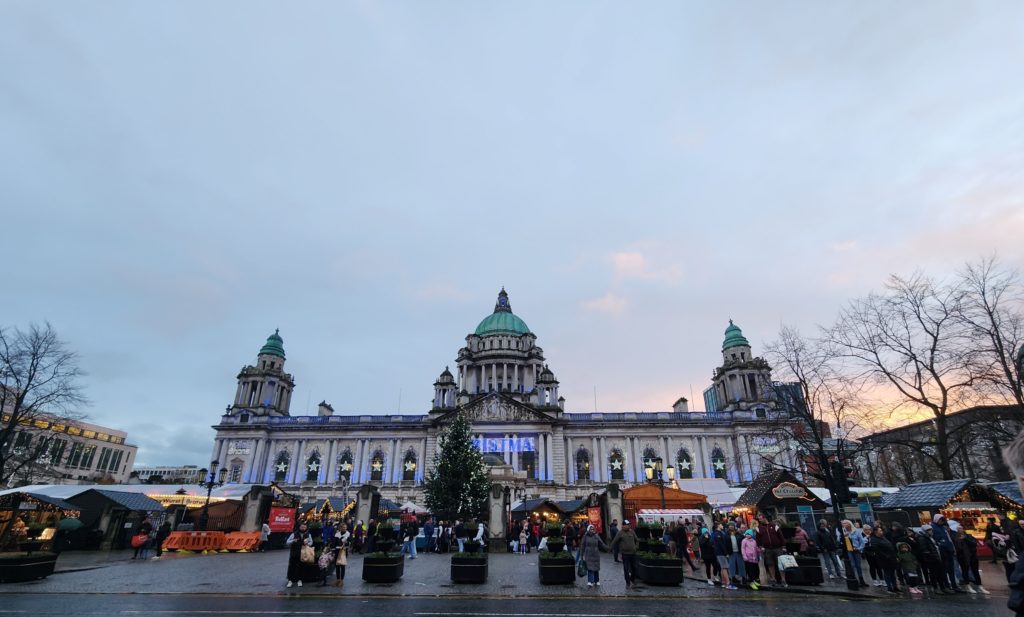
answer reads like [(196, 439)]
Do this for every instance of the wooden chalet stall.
[(648, 497), (780, 495)]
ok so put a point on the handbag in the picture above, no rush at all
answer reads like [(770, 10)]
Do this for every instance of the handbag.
[(342, 557), (139, 540), (1011, 555), (786, 562), (581, 568), (307, 554)]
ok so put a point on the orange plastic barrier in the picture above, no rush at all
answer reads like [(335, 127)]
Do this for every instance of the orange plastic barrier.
[(242, 541), (195, 541)]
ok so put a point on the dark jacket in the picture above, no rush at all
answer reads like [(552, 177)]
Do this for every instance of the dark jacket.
[(770, 536), (723, 547), (1016, 584), (707, 548), (626, 541), (883, 552), (944, 538), (1017, 540), (825, 539), (929, 550)]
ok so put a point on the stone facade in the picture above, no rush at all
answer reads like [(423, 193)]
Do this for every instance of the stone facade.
[(503, 384)]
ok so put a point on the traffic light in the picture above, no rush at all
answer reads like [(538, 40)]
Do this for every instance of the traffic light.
[(840, 482)]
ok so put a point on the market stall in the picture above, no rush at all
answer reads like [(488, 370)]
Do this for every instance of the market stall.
[(650, 496), (538, 511), (32, 520), (780, 495), (968, 503)]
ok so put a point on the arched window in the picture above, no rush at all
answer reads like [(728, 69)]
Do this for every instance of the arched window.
[(281, 466), (684, 464), (718, 466), (235, 473), (377, 467), (313, 467), (617, 465), (409, 467), (649, 456), (582, 464), (345, 465)]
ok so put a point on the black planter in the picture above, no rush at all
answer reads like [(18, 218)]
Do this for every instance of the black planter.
[(643, 533), (469, 570), (383, 569), (557, 571), (660, 571), (20, 568)]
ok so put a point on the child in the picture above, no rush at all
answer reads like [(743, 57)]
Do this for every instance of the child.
[(524, 548), (750, 558), (909, 565)]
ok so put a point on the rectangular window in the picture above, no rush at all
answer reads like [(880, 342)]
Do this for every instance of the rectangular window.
[(23, 440), (104, 459), (57, 451), (89, 434), (115, 465), (74, 430), (236, 474), (76, 455), (87, 456)]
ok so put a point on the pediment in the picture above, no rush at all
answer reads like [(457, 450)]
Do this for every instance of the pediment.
[(498, 409)]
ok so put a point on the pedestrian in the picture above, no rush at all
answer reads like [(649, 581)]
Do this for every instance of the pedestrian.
[(825, 539), (142, 545), (771, 541), (909, 567), (410, 530), (884, 555), (342, 540), (967, 554), (801, 538), (428, 532), (707, 555), (161, 535), (590, 548), (944, 537), (737, 569), (855, 542), (723, 550), (371, 535), (524, 539), (613, 530), (990, 529), (460, 535), (682, 537), (751, 556), (1013, 455), (481, 535), (626, 543), (264, 537), (297, 543)]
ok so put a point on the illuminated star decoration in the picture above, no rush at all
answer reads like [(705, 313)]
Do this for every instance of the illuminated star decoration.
[(346, 466), (684, 464), (410, 465), (719, 465), (314, 466), (377, 466), (616, 464), (282, 466), (649, 462)]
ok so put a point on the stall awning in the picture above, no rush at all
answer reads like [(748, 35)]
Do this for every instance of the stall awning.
[(532, 504), (670, 513)]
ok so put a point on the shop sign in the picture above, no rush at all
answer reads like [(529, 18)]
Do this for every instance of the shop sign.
[(28, 505), (282, 519), (971, 505), (788, 490), (594, 518)]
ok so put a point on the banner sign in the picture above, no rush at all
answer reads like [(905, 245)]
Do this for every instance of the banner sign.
[(506, 444), (788, 490), (282, 519), (594, 518)]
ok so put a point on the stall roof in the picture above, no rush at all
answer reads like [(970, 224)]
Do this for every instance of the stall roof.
[(136, 502), (414, 508), (228, 491), (1010, 490), (678, 512), (386, 505), (572, 505), (924, 495), (532, 504), (53, 501), (717, 490), (761, 487)]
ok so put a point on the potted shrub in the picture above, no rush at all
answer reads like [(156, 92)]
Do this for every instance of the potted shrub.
[(659, 568), (386, 565), (643, 531), (556, 567), (471, 566), (556, 542)]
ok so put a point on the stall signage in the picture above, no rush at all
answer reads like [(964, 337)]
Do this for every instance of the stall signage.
[(971, 505), (788, 490), (27, 505), (594, 518), (281, 519)]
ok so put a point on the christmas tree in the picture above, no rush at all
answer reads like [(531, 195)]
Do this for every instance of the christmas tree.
[(458, 484)]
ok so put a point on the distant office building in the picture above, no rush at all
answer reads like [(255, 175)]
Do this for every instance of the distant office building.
[(76, 452), (182, 474)]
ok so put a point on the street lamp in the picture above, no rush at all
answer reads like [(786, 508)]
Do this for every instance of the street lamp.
[(210, 481), (654, 471)]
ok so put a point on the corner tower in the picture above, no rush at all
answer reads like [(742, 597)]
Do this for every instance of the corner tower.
[(264, 389), (742, 382)]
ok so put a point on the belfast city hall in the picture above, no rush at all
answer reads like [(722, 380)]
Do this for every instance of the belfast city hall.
[(502, 382)]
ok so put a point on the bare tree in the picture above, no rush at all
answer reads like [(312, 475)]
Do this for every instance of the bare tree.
[(911, 339), (992, 310), (820, 404), (39, 385)]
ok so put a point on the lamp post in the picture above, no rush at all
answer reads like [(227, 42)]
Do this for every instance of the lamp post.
[(654, 471), (210, 479)]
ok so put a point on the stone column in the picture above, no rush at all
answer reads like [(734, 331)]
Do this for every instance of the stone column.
[(602, 460), (389, 471), (250, 475), (515, 451), (328, 466), (357, 466), (298, 467), (548, 447), (558, 472)]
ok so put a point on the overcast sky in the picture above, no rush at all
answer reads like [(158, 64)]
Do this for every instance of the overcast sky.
[(179, 179)]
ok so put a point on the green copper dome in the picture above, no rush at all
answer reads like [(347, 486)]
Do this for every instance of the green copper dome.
[(502, 320), (274, 346), (734, 337)]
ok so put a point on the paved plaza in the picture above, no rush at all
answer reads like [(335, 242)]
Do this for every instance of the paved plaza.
[(427, 576)]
